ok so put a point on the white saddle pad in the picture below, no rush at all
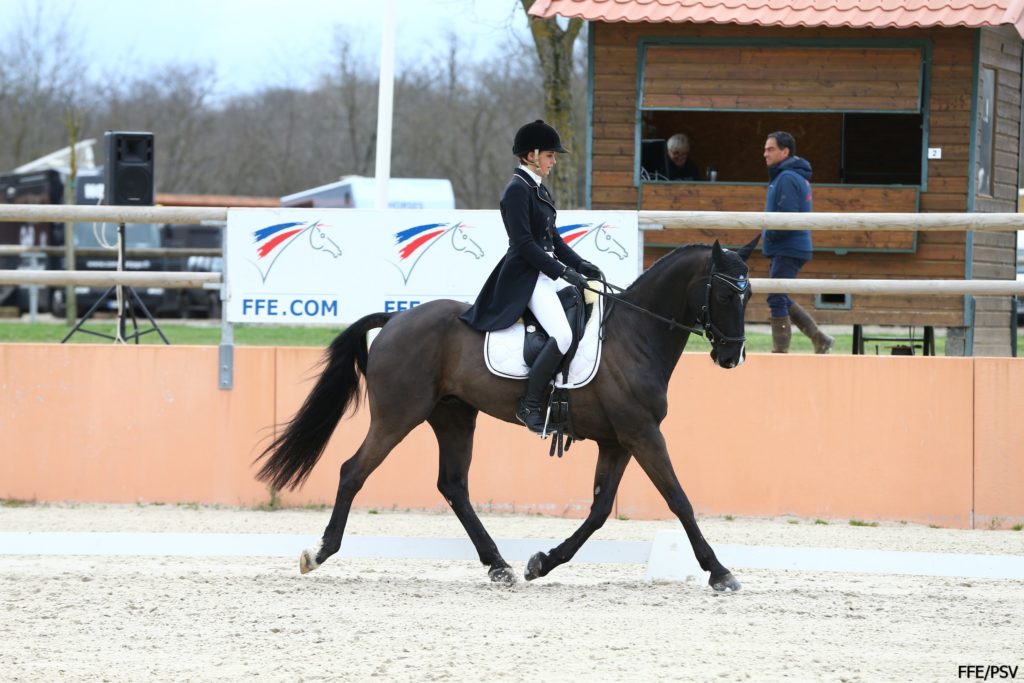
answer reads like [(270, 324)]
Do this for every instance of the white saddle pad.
[(503, 352)]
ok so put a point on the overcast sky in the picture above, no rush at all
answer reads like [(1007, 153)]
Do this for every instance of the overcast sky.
[(254, 43)]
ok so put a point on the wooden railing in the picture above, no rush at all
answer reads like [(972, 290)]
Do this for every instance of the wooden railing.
[(649, 220)]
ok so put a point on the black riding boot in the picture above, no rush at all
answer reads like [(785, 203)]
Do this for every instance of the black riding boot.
[(531, 410)]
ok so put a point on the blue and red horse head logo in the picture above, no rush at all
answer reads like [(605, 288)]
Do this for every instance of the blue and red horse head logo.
[(413, 243), (271, 241), (602, 238)]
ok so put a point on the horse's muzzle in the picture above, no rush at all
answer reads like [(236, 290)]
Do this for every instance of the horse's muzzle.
[(729, 358)]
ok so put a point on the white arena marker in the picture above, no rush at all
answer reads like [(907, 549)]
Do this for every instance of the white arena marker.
[(669, 558), (152, 544), (286, 545), (672, 560)]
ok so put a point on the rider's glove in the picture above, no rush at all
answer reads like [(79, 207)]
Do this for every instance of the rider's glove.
[(574, 278), (590, 270)]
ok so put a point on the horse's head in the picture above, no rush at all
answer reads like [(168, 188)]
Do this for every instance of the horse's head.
[(604, 242), (319, 240), (461, 241), (726, 292)]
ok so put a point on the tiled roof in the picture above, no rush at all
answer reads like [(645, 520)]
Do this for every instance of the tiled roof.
[(215, 200), (831, 13)]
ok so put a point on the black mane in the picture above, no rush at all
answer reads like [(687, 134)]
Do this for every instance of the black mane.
[(665, 261)]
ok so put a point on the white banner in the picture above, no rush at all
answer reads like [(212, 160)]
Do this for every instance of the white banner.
[(331, 266)]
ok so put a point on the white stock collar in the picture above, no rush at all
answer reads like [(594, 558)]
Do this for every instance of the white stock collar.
[(536, 178)]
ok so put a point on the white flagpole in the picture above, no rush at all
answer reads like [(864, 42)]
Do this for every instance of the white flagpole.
[(385, 101)]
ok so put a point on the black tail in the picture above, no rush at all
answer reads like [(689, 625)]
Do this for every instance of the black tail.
[(296, 450)]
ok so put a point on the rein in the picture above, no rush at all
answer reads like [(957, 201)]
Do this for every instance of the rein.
[(707, 326), (619, 300)]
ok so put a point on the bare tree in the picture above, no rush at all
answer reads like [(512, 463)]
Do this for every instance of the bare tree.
[(555, 48), (351, 88), (453, 118), (73, 125), (173, 103), (41, 75), (456, 120)]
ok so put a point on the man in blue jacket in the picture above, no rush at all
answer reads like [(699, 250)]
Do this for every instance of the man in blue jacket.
[(789, 189)]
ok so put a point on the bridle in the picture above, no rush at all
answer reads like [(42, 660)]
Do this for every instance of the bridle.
[(739, 284), (707, 327)]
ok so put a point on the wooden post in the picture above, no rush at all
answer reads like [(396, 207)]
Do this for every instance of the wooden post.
[(73, 123)]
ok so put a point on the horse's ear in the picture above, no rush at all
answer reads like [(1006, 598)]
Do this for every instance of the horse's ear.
[(747, 249), (718, 254)]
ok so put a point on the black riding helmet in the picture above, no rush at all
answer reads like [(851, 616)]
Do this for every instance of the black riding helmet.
[(537, 135)]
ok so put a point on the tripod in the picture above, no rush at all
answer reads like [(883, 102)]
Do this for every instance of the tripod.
[(126, 306)]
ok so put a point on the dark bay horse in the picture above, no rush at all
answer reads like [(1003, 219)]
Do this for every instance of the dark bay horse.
[(446, 383)]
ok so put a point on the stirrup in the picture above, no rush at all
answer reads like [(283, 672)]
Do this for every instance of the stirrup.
[(525, 415)]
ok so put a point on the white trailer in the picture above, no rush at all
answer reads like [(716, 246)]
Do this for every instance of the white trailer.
[(358, 192)]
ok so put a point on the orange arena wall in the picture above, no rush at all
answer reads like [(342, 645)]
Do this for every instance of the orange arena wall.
[(931, 440)]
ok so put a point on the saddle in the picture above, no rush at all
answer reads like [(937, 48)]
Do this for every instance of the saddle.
[(509, 353), (577, 312)]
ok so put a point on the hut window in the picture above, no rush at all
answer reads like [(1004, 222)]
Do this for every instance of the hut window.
[(844, 148), (856, 112), (986, 137), (882, 149)]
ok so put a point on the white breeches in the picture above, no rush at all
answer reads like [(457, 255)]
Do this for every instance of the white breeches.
[(548, 309)]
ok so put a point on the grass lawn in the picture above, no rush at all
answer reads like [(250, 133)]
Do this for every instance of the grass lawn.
[(208, 333), (15, 331), (176, 332), (758, 342)]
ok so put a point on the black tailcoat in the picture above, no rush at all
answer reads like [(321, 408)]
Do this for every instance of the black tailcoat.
[(533, 246)]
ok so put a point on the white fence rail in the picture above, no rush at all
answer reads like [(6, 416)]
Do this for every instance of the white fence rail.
[(698, 220), (935, 287), (136, 252), (754, 220), (64, 213), (181, 280), (109, 278)]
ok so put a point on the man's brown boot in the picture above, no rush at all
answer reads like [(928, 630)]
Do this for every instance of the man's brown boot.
[(782, 332), (803, 320)]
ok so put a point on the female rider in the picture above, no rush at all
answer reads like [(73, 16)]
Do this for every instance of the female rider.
[(537, 264)]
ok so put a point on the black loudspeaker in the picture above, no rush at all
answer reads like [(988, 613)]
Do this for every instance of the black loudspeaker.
[(129, 171)]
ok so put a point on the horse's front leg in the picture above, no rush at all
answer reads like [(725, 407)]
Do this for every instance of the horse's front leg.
[(611, 463), (652, 455), (453, 423)]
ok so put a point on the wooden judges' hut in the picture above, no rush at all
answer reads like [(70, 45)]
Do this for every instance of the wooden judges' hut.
[(899, 105)]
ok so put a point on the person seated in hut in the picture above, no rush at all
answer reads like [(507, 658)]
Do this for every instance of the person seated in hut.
[(680, 166)]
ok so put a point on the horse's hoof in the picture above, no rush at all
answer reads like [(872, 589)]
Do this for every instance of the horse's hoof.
[(535, 567), (503, 575), (726, 583), (307, 562)]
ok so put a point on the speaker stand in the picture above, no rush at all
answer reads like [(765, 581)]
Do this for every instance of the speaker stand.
[(126, 308)]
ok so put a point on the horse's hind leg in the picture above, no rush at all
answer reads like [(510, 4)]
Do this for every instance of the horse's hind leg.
[(453, 423), (611, 463), (383, 436)]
